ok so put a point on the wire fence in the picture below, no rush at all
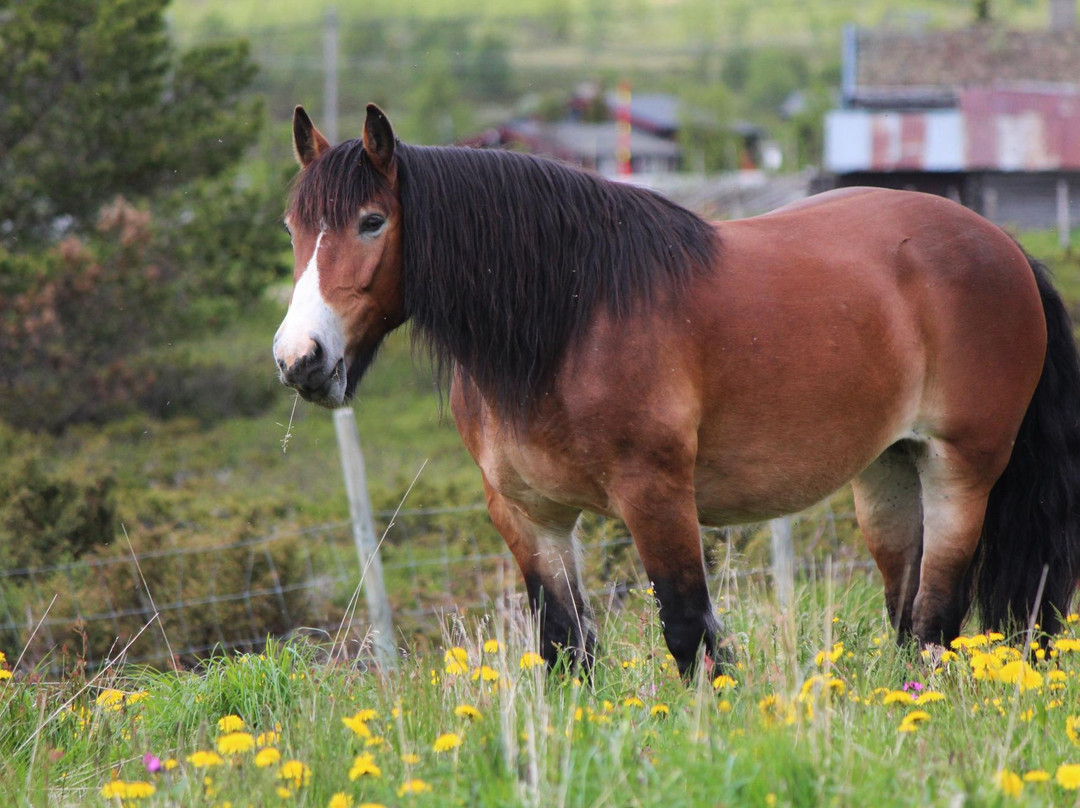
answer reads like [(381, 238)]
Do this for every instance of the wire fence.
[(179, 604)]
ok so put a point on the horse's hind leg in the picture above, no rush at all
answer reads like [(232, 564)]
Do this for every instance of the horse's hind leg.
[(956, 483), (888, 506), (542, 537)]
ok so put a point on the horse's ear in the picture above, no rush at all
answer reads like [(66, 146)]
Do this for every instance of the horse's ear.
[(379, 142), (308, 142)]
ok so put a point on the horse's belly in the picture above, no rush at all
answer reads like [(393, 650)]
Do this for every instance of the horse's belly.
[(723, 499)]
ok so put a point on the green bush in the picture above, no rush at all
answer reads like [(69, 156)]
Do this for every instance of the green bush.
[(74, 318), (49, 519), (233, 597)]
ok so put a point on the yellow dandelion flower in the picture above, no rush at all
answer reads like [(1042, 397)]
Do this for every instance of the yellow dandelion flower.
[(1062, 644), (821, 685), (204, 760), (1036, 776), (136, 790), (1072, 728), (3, 658), (410, 759), (375, 741), (1068, 776), (724, 706), (491, 646), (364, 766), (488, 674), (446, 742), (467, 711), (340, 800), (530, 659), (1009, 782), (235, 743), (457, 661), (283, 792), (1072, 618), (295, 772), (230, 723), (660, 709), (1020, 673), (995, 636), (929, 697), (4, 674), (266, 757), (414, 786), (911, 721), (985, 666), (723, 682), (110, 699), (357, 725), (633, 701), (169, 764), (897, 697), (267, 739), (832, 656), (968, 642), (371, 805), (776, 710)]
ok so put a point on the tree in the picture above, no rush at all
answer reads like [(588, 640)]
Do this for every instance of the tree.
[(706, 113), (94, 102), (122, 224)]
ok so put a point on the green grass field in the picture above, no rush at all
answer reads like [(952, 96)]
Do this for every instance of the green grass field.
[(822, 709)]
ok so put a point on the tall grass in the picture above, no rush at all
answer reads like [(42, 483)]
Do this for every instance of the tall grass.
[(815, 713)]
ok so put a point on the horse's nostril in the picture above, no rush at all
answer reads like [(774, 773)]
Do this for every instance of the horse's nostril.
[(281, 365), (318, 351)]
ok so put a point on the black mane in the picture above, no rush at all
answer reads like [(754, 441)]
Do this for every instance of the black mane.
[(507, 256)]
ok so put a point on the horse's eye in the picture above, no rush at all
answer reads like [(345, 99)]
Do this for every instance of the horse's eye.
[(371, 223)]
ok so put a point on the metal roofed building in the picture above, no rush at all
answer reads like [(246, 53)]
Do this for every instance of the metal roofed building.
[(986, 116)]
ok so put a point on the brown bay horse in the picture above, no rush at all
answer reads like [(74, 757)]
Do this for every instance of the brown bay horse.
[(610, 351)]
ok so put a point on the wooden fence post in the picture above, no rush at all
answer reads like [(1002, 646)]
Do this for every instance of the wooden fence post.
[(1063, 224), (363, 529), (783, 560)]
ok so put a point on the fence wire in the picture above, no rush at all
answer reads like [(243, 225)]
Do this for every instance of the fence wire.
[(180, 604)]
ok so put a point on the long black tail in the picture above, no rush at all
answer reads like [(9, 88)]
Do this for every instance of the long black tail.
[(1033, 516)]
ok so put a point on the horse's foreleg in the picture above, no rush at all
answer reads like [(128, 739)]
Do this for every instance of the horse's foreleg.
[(542, 537), (662, 518)]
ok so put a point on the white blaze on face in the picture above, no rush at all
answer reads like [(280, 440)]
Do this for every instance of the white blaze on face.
[(309, 318)]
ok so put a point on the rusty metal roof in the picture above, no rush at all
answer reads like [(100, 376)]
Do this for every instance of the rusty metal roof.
[(950, 59)]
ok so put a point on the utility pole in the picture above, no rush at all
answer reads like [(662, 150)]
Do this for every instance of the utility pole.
[(330, 76)]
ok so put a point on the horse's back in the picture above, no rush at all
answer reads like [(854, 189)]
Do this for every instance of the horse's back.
[(839, 325)]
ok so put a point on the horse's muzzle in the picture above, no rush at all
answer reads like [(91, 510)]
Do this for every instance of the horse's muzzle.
[(316, 377)]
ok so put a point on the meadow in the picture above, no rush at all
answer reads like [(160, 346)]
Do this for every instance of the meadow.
[(822, 708)]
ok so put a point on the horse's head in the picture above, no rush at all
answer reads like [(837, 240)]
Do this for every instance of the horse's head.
[(345, 222)]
